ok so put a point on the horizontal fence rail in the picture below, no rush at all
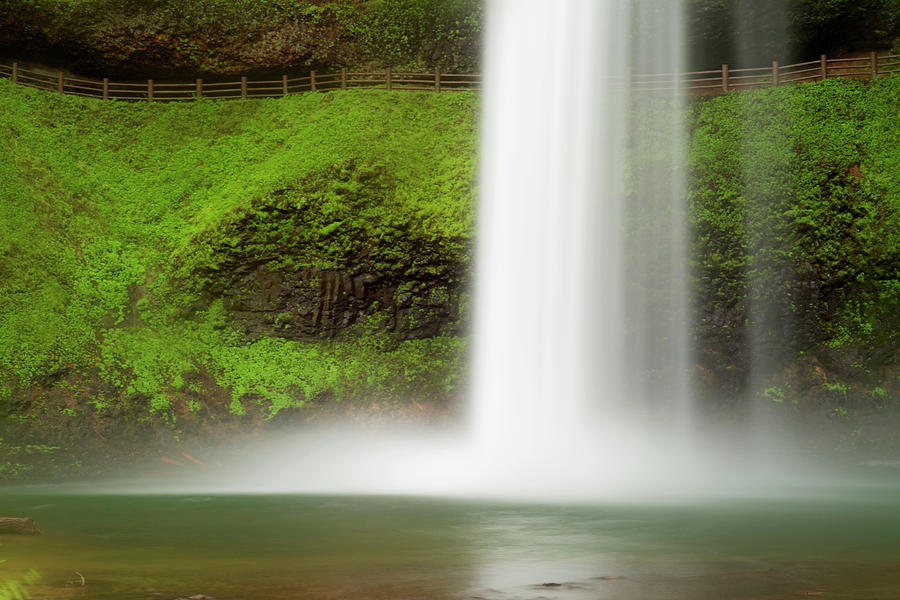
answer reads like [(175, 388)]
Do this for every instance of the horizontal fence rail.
[(243, 88), (727, 79), (711, 82)]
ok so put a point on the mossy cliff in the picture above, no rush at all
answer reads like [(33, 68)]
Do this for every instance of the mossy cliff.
[(215, 262), (795, 204), (172, 272)]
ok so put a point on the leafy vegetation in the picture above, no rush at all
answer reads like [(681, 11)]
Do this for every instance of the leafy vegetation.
[(16, 589), (108, 212), (755, 32), (795, 195), (215, 36)]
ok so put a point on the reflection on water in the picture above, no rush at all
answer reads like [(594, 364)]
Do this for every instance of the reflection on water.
[(279, 547)]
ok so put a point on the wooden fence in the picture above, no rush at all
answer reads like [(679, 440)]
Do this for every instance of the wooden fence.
[(711, 82), (719, 81), (243, 88)]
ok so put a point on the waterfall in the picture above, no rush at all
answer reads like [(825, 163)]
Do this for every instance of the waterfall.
[(580, 296)]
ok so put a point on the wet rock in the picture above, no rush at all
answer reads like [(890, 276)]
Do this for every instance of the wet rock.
[(568, 585), (17, 525), (310, 303)]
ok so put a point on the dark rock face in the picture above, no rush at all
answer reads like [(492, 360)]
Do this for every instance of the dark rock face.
[(310, 303), (141, 40), (753, 335), (182, 39)]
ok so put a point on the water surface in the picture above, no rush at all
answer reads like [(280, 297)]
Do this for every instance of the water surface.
[(839, 545)]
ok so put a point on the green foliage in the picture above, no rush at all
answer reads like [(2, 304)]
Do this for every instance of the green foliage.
[(278, 374), (836, 387), (422, 34), (213, 35), (756, 32), (16, 589), (109, 212), (775, 394), (795, 195), (353, 217), (153, 364), (840, 25)]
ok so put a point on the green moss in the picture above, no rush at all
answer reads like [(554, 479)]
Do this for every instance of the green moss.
[(795, 196), (276, 373), (109, 211)]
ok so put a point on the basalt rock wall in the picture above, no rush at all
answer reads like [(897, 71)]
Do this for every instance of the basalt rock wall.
[(310, 303)]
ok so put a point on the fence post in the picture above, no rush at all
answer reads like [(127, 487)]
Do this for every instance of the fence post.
[(106, 88), (874, 65), (149, 90), (724, 77), (343, 78), (284, 85), (437, 79), (198, 84), (387, 82), (59, 83), (15, 73), (824, 60), (775, 72), (312, 81), (243, 87)]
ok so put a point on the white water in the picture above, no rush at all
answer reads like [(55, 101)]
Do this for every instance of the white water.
[(543, 178), (580, 312)]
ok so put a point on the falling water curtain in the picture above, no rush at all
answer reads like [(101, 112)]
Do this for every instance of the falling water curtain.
[(655, 244)]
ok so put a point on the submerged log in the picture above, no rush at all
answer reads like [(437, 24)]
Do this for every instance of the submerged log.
[(17, 525)]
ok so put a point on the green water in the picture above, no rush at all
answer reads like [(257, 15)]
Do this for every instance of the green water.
[(837, 545)]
